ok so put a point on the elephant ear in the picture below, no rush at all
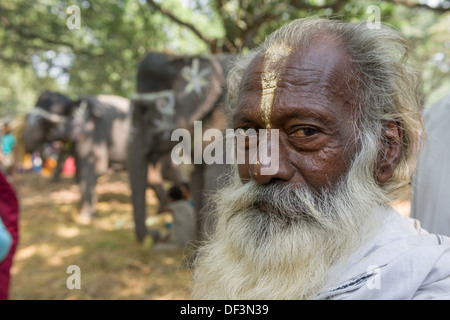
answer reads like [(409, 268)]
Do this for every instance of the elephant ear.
[(89, 107), (198, 87), (54, 103)]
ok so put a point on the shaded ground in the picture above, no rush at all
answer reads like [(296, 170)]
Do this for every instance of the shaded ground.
[(112, 264)]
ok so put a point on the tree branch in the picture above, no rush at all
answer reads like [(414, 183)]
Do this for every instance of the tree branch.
[(210, 42), (412, 4), (338, 4), (16, 59), (24, 32), (301, 5)]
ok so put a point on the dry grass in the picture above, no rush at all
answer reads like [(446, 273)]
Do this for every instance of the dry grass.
[(113, 265)]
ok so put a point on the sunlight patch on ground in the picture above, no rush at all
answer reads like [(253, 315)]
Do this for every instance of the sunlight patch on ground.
[(64, 196), (59, 257), (25, 252), (67, 232)]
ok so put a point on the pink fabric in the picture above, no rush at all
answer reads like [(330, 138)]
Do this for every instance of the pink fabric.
[(69, 166), (9, 212)]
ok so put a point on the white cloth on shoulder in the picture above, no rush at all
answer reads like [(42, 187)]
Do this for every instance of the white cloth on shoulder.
[(402, 262)]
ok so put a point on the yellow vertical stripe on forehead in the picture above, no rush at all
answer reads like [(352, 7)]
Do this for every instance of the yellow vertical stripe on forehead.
[(274, 60)]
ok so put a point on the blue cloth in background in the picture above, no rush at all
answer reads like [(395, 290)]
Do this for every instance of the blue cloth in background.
[(5, 241)]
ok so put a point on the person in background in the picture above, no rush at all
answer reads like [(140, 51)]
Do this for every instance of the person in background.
[(9, 215), (8, 152), (430, 199), (186, 191), (182, 229), (5, 241)]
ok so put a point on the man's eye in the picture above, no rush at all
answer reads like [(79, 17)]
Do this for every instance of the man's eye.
[(305, 132)]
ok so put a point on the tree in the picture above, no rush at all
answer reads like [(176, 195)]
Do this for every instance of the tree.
[(100, 56), (247, 22), (41, 50)]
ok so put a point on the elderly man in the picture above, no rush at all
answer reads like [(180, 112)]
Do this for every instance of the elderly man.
[(345, 103)]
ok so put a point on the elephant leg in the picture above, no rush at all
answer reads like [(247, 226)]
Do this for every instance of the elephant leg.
[(156, 182), (88, 181), (88, 157), (62, 156), (197, 187), (138, 168), (161, 194), (206, 179), (77, 169), (171, 171)]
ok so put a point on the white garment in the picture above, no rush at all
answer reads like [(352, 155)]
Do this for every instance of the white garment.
[(402, 262), (183, 222)]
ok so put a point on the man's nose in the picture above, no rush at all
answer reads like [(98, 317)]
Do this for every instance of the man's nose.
[(272, 163)]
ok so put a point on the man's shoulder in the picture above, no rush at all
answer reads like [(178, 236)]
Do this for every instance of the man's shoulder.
[(403, 261)]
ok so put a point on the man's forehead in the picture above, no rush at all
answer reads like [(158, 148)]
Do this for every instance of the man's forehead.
[(321, 61), (315, 71)]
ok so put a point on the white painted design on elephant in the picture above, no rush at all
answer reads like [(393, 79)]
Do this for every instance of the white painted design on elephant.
[(165, 105), (196, 78)]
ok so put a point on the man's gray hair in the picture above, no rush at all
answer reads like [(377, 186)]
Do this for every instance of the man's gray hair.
[(383, 84)]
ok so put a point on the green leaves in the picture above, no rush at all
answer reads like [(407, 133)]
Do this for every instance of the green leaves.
[(114, 35)]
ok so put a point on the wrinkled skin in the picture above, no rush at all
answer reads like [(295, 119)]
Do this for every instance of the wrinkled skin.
[(315, 119)]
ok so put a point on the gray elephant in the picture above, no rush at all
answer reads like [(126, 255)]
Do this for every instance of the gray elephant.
[(96, 129), (43, 125), (96, 126), (99, 130), (173, 92)]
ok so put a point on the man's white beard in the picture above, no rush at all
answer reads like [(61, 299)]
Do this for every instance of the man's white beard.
[(285, 251)]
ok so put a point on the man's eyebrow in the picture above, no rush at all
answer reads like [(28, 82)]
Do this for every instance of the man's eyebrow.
[(305, 111), (240, 118)]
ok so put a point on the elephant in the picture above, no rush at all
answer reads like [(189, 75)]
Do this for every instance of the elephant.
[(96, 127), (175, 92), (99, 130), (43, 124)]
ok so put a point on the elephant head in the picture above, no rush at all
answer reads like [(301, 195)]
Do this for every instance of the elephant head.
[(86, 112), (45, 122), (173, 92), (100, 123)]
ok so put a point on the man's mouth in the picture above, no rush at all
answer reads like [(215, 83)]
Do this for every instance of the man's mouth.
[(264, 207)]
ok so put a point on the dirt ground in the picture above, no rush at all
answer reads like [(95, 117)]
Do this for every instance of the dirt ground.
[(112, 265)]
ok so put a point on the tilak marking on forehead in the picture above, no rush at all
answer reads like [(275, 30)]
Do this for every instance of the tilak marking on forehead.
[(274, 61)]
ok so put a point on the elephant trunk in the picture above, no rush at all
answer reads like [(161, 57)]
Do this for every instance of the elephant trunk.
[(138, 170)]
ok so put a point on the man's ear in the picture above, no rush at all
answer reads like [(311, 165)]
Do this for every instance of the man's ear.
[(390, 151)]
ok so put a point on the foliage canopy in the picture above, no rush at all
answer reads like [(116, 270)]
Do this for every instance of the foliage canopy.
[(40, 51)]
